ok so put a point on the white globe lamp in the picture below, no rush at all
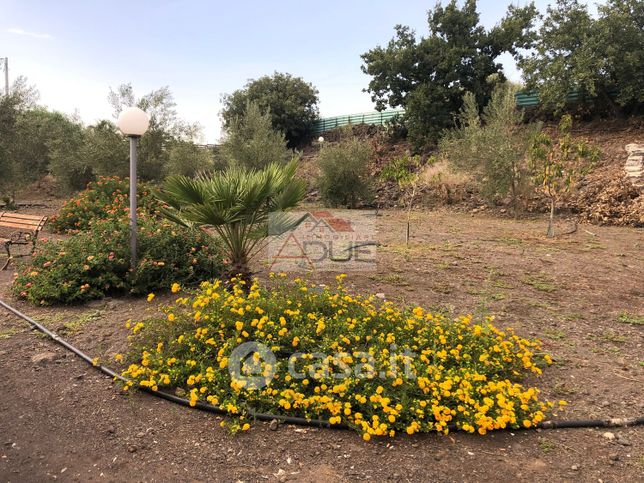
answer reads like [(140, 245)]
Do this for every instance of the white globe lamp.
[(133, 122)]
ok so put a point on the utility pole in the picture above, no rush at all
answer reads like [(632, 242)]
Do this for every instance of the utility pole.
[(6, 76)]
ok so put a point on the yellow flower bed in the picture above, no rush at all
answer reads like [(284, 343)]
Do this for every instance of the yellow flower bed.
[(349, 359)]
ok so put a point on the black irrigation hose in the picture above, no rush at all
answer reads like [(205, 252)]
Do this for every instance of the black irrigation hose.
[(573, 423), (166, 395)]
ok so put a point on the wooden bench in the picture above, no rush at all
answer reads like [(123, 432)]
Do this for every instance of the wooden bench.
[(22, 230)]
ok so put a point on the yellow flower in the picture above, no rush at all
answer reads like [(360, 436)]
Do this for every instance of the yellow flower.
[(456, 378), (150, 297)]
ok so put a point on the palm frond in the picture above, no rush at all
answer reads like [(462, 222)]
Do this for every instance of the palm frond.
[(242, 205)]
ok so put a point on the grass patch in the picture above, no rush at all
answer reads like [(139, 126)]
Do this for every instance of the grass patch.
[(593, 245), (555, 334), (546, 445), (506, 240), (626, 318), (502, 284), (444, 288), (572, 317), (564, 389), (449, 246), (444, 265), (541, 282), (608, 336), (391, 278), (77, 324), (8, 333)]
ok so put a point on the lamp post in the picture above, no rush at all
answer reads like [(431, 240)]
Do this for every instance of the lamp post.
[(133, 122)]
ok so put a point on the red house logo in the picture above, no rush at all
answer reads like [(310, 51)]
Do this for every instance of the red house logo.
[(323, 240)]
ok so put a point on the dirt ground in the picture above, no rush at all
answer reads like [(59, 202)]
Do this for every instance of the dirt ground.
[(582, 294)]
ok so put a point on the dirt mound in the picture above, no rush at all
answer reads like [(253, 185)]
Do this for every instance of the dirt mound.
[(605, 196), (45, 187)]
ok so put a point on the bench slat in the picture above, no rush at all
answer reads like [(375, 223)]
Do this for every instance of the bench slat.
[(21, 215), (21, 221), (25, 226)]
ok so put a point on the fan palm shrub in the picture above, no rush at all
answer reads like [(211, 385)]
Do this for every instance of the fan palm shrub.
[(243, 206)]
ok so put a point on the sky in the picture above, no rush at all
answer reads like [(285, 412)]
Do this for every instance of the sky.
[(74, 51)]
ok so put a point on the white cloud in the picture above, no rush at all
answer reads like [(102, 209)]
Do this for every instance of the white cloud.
[(19, 31)]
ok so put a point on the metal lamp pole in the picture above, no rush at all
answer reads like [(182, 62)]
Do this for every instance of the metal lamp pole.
[(134, 141)]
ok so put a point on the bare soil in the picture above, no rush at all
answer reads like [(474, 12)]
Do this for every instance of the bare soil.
[(582, 294)]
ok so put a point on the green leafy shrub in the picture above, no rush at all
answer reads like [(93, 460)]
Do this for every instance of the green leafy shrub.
[(95, 263), (401, 169), (492, 146), (344, 173), (252, 143), (103, 199), (376, 367), (396, 128), (187, 159)]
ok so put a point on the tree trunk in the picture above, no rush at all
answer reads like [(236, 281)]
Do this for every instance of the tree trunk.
[(551, 227), (515, 201), (241, 273)]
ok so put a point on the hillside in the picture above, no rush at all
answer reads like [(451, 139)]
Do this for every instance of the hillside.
[(604, 196)]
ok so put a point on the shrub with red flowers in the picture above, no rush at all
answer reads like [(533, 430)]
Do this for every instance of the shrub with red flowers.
[(94, 263), (103, 199)]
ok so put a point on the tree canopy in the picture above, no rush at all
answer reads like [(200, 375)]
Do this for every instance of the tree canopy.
[(35, 141), (291, 101), (428, 76), (600, 58)]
